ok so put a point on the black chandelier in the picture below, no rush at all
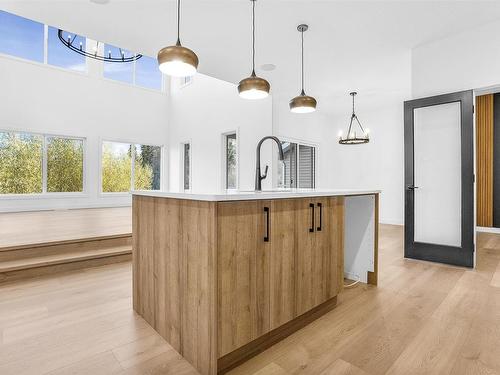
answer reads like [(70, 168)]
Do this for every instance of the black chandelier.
[(69, 42), (352, 137)]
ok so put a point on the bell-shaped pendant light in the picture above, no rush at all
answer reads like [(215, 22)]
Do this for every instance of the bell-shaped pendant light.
[(253, 87), (178, 61), (303, 103), (353, 137)]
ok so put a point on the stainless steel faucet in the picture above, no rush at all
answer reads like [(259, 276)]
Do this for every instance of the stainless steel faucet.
[(258, 176)]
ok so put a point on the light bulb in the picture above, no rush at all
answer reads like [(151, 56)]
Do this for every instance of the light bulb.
[(177, 68)]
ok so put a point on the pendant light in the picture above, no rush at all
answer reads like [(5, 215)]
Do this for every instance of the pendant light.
[(303, 103), (253, 87), (178, 61), (352, 137)]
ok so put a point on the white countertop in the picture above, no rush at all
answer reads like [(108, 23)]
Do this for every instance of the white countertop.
[(239, 195)]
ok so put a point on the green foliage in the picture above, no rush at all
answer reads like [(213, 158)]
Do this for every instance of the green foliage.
[(64, 165), (116, 170), (20, 163), (21, 156)]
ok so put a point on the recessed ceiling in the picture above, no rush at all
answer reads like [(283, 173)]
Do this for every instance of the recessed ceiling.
[(348, 46)]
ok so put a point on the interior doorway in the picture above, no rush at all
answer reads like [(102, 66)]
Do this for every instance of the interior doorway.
[(439, 179)]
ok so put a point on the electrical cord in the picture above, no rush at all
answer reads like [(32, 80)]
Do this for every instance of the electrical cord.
[(347, 286)]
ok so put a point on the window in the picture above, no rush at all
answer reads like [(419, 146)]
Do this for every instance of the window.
[(147, 73), (60, 55), (299, 166), (123, 72), (147, 167), (128, 167), (21, 163), (24, 157), (64, 164), (21, 37), (231, 161), (186, 161)]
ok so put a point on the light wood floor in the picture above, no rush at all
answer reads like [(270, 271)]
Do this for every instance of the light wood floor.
[(422, 319), (37, 227)]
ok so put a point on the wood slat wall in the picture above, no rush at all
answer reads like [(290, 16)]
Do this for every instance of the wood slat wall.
[(484, 160)]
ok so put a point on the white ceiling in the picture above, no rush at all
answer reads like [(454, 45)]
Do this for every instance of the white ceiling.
[(350, 44)]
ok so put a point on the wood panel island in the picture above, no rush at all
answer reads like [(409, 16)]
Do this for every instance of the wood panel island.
[(224, 276)]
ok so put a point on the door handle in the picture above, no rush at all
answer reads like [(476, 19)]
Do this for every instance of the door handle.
[(266, 211), (412, 187), (320, 217), (311, 205)]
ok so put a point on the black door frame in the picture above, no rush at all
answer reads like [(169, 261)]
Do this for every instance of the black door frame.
[(463, 255)]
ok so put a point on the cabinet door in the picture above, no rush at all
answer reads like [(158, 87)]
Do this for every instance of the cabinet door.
[(311, 251), (319, 251), (283, 270), (243, 273)]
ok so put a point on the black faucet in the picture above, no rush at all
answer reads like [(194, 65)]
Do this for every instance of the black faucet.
[(258, 176)]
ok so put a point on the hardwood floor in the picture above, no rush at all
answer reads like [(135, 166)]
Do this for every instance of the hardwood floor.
[(38, 227), (423, 318)]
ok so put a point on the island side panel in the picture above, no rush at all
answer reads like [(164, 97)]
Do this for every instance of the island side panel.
[(175, 274), (373, 276)]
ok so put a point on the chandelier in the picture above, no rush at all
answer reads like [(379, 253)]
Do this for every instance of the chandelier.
[(122, 57), (352, 137)]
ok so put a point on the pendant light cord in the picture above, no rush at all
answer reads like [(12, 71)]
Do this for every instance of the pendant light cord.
[(253, 38), (178, 22), (302, 36)]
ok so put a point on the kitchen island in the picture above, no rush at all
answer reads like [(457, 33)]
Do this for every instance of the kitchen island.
[(223, 276)]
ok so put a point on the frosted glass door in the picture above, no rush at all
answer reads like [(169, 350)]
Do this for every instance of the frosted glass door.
[(438, 178)]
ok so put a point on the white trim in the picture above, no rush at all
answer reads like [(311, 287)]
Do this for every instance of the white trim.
[(488, 230), (181, 169), (101, 140), (224, 158), (46, 194), (302, 142)]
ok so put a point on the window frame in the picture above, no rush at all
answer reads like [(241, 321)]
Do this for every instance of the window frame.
[(224, 138), (45, 193), (85, 73), (181, 164), (300, 142), (104, 194)]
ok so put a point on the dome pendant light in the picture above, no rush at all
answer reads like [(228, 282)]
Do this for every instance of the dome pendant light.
[(352, 137), (178, 61), (253, 87), (303, 103)]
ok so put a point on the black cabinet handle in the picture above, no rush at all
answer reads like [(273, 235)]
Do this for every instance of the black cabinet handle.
[(320, 217), (266, 237), (312, 217)]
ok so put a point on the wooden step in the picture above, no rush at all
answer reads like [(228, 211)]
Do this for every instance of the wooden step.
[(76, 256), (43, 259)]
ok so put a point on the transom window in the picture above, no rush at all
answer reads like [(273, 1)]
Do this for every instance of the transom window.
[(128, 166), (24, 38), (35, 163)]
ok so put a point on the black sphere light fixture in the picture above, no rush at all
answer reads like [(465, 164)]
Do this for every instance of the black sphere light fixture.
[(178, 61), (302, 103), (354, 138), (253, 87)]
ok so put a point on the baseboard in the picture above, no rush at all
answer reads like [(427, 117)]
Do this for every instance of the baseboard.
[(488, 230), (240, 355)]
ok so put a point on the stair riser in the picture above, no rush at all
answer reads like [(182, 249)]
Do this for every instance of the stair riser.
[(83, 245), (50, 270)]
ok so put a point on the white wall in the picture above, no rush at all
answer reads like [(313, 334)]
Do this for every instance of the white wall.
[(39, 98), (201, 112), (467, 60), (376, 165)]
